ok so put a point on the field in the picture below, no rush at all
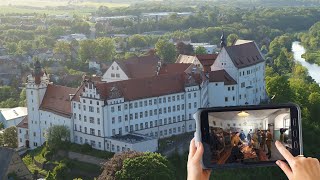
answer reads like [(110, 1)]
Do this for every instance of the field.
[(50, 7)]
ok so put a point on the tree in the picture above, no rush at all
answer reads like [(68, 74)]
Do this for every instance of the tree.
[(1, 140), (56, 136), (50, 176), (186, 49), (200, 50), (63, 48), (166, 51), (278, 86), (10, 137), (282, 62), (81, 27), (115, 164), (56, 31), (87, 50), (137, 41), (1, 125), (23, 98), (158, 167), (105, 49), (231, 39)]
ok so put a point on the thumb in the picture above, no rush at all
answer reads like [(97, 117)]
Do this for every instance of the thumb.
[(285, 168)]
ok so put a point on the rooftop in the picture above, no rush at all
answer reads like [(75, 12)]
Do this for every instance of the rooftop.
[(57, 100), (221, 76), (23, 123), (14, 113), (5, 159), (244, 53)]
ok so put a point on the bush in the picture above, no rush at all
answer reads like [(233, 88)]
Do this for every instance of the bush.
[(86, 148), (27, 159), (60, 171)]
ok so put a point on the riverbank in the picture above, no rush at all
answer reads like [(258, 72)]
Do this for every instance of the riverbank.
[(299, 52)]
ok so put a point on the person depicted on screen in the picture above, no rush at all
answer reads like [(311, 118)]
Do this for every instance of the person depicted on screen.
[(299, 167), (269, 141), (242, 136), (236, 139)]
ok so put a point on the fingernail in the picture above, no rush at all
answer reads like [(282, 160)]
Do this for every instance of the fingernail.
[(197, 144), (278, 163)]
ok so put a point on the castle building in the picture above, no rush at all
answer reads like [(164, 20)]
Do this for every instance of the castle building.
[(137, 102)]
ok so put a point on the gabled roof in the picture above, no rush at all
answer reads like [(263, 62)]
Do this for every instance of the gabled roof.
[(134, 89), (15, 113), (139, 67), (221, 76), (23, 123), (57, 100), (5, 159), (174, 68), (185, 59), (244, 54), (207, 59)]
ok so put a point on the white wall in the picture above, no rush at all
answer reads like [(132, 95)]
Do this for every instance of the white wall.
[(22, 136), (114, 69)]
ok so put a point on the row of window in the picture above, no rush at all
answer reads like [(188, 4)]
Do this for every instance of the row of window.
[(242, 73), (91, 130), (92, 142), (91, 119), (115, 75)]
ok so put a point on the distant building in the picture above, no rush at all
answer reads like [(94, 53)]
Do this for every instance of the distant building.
[(11, 163), (211, 49), (13, 116)]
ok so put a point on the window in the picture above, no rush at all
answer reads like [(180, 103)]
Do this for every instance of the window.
[(164, 100), (195, 105), (174, 130), (160, 122), (173, 98), (98, 103), (112, 109), (160, 111), (160, 100), (74, 105), (178, 107), (135, 115), (85, 118), (84, 107), (232, 88), (117, 75), (90, 101), (190, 117), (126, 106), (119, 119), (141, 125), (84, 101), (20, 131), (119, 108), (146, 125), (240, 96), (80, 129), (243, 85), (126, 128), (169, 99), (113, 132), (98, 110), (174, 119), (178, 98), (99, 133), (229, 88), (155, 112), (112, 75), (113, 120), (126, 117), (165, 132), (91, 120), (131, 116), (155, 101), (165, 121), (98, 120), (146, 114), (145, 103), (179, 129), (136, 127), (151, 113), (81, 140), (189, 96), (178, 118), (182, 106), (135, 104), (150, 102), (140, 104), (161, 133), (92, 131), (112, 67), (169, 109), (99, 144), (85, 129), (233, 98), (79, 106), (120, 131), (156, 123), (151, 124), (130, 105), (182, 96), (131, 128), (194, 94), (141, 114), (174, 108), (226, 99), (164, 110), (170, 131), (189, 105), (34, 134)]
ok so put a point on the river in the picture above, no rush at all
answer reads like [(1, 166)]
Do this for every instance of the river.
[(314, 70)]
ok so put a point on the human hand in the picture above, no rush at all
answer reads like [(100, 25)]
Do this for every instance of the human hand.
[(194, 167), (301, 167)]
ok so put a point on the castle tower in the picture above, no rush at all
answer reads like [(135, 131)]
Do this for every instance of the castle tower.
[(36, 86)]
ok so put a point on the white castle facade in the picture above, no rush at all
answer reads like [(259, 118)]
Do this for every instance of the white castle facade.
[(136, 103)]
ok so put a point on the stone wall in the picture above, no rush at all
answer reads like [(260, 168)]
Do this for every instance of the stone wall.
[(86, 158)]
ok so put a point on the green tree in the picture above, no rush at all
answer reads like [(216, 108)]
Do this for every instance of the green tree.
[(81, 27), (23, 98), (137, 41), (105, 49), (232, 38), (1, 125), (10, 137), (12, 48), (278, 87), (158, 167), (57, 136), (63, 48), (166, 51), (200, 50), (87, 50), (282, 63), (56, 31)]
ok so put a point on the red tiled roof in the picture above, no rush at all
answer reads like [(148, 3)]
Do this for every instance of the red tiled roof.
[(174, 68), (23, 123), (244, 55), (134, 89), (140, 67), (57, 100), (207, 59), (221, 76)]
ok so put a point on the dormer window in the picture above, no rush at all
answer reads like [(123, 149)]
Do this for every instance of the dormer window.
[(112, 68)]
